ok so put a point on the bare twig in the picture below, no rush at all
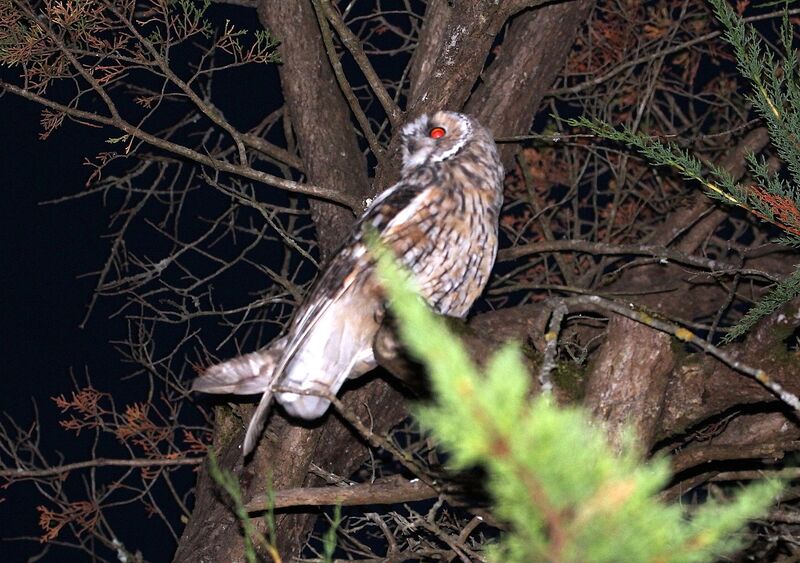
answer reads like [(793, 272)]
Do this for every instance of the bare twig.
[(19, 473), (347, 89), (662, 253), (223, 166), (353, 45), (551, 346)]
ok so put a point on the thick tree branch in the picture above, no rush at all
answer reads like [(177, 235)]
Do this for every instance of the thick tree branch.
[(464, 44), (389, 490), (756, 373), (429, 45), (320, 120), (528, 62), (319, 115), (344, 85)]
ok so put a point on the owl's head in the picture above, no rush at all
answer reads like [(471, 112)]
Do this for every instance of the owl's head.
[(436, 137)]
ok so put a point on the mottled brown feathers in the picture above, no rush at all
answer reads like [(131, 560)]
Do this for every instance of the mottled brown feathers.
[(441, 220)]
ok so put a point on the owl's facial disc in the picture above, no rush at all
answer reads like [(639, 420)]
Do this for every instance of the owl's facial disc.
[(434, 138)]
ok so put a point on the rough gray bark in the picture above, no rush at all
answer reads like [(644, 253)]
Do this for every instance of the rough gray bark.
[(512, 87), (431, 41), (624, 396)]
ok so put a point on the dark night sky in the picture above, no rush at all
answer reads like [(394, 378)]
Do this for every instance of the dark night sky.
[(45, 250)]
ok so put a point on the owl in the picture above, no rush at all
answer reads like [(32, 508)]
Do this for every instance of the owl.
[(441, 221)]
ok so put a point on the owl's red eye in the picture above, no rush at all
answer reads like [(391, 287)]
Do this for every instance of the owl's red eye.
[(437, 133)]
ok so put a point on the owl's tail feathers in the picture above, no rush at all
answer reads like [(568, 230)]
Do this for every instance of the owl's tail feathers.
[(245, 375), (257, 422), (304, 404), (311, 400), (338, 345)]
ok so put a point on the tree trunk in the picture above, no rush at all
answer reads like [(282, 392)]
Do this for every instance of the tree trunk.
[(321, 122)]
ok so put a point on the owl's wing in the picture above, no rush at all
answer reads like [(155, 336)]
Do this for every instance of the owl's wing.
[(349, 267), (401, 200), (342, 272)]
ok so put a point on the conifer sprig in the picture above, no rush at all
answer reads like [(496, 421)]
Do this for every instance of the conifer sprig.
[(552, 474)]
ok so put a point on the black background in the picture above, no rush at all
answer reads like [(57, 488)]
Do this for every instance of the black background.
[(47, 250)]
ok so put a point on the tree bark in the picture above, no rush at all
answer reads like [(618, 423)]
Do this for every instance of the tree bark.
[(512, 88), (620, 393)]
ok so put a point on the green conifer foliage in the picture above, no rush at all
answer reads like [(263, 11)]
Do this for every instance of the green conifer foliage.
[(552, 475)]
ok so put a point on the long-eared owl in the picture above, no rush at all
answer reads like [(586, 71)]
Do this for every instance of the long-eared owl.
[(440, 219)]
